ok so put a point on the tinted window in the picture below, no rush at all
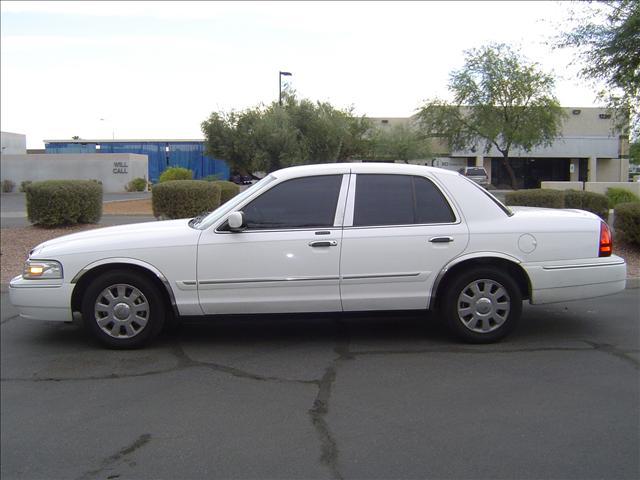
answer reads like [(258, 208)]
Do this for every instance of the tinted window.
[(300, 203), (383, 200), (431, 206), (399, 200)]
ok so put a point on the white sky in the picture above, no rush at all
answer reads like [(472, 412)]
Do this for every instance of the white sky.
[(158, 69)]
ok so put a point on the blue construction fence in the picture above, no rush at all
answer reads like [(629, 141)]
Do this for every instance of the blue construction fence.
[(161, 155)]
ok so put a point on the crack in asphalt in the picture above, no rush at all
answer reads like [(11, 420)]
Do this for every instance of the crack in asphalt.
[(329, 451), (7, 320), (184, 362), (614, 351), (121, 454), (482, 351)]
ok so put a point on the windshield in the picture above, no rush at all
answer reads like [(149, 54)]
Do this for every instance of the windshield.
[(231, 204)]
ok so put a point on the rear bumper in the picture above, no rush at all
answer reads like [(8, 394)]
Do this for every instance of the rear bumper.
[(564, 281), (36, 300)]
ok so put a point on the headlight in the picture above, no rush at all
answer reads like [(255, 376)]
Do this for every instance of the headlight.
[(37, 269)]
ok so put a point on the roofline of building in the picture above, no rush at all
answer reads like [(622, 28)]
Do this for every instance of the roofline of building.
[(118, 140)]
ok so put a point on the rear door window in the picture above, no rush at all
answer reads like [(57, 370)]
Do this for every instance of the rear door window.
[(398, 200)]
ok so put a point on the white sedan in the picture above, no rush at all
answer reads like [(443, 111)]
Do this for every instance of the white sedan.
[(326, 238)]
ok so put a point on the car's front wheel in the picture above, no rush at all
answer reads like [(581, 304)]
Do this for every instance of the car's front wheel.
[(482, 305), (123, 309)]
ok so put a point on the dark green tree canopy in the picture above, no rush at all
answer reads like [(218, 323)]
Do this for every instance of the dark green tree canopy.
[(297, 132), (499, 100), (607, 40), (398, 143)]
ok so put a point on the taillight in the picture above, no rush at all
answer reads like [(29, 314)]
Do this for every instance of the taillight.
[(606, 242)]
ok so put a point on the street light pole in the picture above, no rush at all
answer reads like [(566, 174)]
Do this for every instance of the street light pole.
[(280, 75), (113, 131)]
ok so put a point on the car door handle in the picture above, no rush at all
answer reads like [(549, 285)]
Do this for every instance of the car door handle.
[(323, 243), (441, 239)]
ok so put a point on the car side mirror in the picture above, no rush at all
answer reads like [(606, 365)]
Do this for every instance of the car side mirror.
[(236, 222)]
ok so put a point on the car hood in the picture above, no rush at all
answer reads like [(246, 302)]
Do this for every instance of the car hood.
[(125, 237)]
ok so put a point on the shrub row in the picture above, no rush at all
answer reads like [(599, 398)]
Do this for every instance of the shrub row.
[(136, 185), (8, 186), (627, 222), (620, 195), (536, 198), (228, 190), (589, 201), (175, 173), (184, 198), (64, 202)]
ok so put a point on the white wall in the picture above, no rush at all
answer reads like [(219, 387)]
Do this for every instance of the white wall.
[(13, 143), (114, 170), (565, 147), (597, 187), (601, 187)]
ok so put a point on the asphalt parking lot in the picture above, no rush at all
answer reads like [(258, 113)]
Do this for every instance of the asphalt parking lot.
[(328, 397)]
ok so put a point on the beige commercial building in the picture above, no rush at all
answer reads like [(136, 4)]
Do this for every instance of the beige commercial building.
[(589, 149)]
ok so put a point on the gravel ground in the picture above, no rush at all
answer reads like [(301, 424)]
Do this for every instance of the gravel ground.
[(15, 244), (128, 207)]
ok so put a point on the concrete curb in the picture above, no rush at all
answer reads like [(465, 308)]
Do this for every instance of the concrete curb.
[(126, 200), (632, 283)]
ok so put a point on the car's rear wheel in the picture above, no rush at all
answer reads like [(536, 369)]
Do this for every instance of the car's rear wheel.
[(482, 305), (123, 309)]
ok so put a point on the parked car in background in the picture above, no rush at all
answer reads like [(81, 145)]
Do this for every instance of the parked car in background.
[(241, 179), (326, 238), (477, 174)]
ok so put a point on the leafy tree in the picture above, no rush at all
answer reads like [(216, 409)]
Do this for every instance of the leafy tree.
[(501, 100), (634, 153), (297, 132), (400, 142), (75, 137), (230, 136), (606, 37)]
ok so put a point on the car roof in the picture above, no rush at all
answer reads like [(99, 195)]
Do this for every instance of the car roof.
[(359, 167)]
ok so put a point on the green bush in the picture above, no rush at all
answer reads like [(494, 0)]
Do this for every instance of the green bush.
[(64, 202), (213, 178), (25, 185), (175, 173), (184, 198), (536, 198), (627, 222), (589, 201), (138, 184), (228, 190), (618, 195), (8, 186)]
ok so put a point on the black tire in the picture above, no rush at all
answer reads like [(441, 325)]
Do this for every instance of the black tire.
[(132, 319), (481, 305)]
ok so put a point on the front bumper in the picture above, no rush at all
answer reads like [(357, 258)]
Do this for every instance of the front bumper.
[(564, 281), (41, 299)]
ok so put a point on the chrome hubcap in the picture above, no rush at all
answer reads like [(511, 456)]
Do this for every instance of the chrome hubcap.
[(121, 311), (483, 305)]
